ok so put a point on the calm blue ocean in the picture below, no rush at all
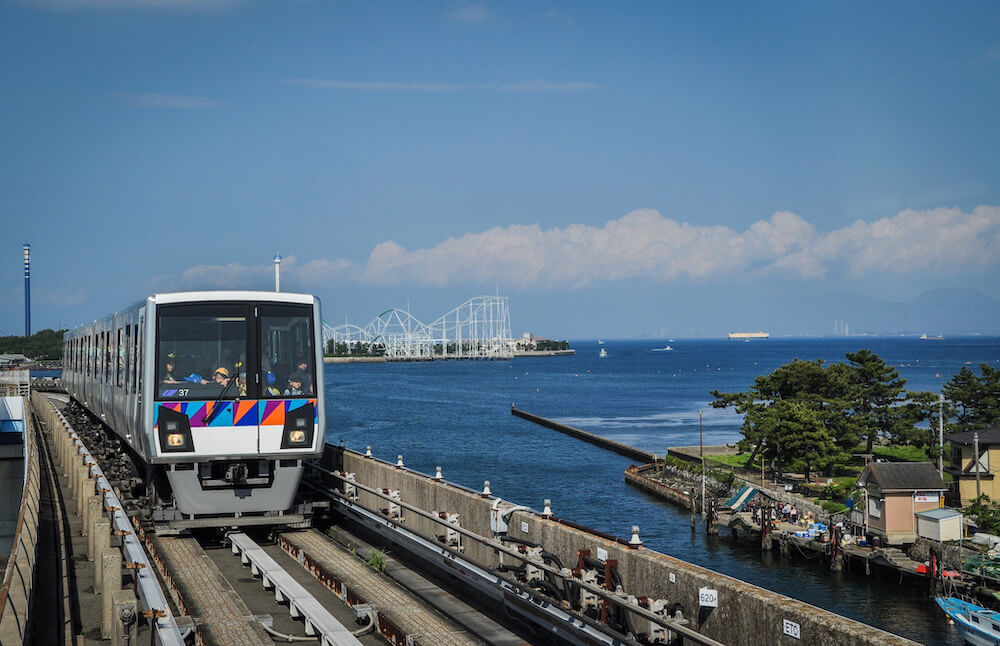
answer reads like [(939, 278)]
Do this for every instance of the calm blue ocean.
[(456, 415)]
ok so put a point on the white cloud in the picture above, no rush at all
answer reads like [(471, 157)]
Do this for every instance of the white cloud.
[(58, 296), (547, 86), (130, 5), (378, 86), (311, 275), (230, 276), (471, 13), (425, 86), (647, 246), (176, 101)]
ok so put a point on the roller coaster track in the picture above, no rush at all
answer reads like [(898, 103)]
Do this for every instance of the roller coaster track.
[(477, 329)]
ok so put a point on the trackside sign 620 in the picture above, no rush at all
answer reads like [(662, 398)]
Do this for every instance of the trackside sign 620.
[(708, 598)]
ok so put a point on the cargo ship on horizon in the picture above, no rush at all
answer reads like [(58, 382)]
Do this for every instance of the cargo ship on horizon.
[(747, 336)]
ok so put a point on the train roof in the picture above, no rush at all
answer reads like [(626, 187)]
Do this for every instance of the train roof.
[(232, 295), (170, 298)]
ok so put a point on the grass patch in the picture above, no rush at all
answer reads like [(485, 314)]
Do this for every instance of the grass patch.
[(738, 460), (377, 561), (832, 507), (901, 453)]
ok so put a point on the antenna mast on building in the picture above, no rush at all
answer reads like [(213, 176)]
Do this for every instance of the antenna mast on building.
[(277, 272)]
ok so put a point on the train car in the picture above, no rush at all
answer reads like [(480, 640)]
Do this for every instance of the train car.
[(218, 397)]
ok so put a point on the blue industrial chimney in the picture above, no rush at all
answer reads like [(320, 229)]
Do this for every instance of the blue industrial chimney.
[(27, 290)]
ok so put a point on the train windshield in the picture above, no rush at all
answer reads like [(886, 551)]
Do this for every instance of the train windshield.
[(202, 351), (286, 350)]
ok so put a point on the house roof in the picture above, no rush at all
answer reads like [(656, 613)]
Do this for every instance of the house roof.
[(903, 476), (939, 514), (986, 436)]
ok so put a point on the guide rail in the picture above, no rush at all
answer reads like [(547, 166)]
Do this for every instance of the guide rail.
[(162, 620)]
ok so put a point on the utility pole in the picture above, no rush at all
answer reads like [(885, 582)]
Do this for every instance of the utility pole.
[(941, 436), (701, 451), (975, 451)]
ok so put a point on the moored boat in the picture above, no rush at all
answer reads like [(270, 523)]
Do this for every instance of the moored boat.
[(977, 625)]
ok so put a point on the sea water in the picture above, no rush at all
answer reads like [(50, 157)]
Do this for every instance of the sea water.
[(456, 415)]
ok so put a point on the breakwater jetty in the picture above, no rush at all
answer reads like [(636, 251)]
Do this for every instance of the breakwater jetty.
[(617, 447)]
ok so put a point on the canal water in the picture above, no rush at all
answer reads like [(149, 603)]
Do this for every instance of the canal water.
[(456, 415)]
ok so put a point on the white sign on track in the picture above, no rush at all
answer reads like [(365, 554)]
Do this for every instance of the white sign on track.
[(708, 598)]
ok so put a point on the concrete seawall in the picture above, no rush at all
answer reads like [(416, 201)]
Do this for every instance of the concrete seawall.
[(622, 449), (746, 614)]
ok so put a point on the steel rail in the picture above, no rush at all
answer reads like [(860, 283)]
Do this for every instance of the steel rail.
[(499, 546), (162, 622)]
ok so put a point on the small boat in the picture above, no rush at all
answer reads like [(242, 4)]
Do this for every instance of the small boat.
[(924, 337), (603, 353), (664, 349), (599, 342), (976, 624)]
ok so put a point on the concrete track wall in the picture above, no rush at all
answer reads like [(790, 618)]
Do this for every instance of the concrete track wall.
[(746, 614), (19, 576)]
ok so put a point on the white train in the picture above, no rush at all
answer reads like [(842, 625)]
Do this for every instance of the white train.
[(217, 395)]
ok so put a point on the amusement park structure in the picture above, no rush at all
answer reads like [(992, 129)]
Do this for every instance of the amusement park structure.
[(477, 329)]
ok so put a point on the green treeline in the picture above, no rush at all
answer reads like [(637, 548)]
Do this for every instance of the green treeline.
[(355, 349), (810, 416), (44, 345)]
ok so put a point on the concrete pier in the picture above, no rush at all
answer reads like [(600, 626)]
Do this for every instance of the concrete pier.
[(597, 440)]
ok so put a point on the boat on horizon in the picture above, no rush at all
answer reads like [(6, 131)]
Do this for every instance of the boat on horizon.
[(924, 337), (663, 349), (976, 624), (746, 336), (603, 353)]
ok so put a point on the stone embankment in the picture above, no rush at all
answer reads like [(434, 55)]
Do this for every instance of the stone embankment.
[(675, 484)]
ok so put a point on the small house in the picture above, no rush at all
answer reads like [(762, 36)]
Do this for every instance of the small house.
[(963, 465), (894, 493)]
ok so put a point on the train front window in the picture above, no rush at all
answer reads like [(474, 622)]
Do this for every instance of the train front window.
[(201, 351), (286, 348)]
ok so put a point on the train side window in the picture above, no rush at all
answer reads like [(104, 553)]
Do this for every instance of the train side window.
[(109, 357), (136, 349), (120, 360), (127, 354), (140, 354)]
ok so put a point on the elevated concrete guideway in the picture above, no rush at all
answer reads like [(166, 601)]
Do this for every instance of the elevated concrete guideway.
[(742, 613)]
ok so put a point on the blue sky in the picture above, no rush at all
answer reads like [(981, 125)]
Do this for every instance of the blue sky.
[(663, 169)]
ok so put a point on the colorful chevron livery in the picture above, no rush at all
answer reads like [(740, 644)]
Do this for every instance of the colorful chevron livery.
[(247, 412)]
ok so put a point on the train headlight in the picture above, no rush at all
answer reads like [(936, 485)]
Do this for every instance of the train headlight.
[(299, 427), (174, 431)]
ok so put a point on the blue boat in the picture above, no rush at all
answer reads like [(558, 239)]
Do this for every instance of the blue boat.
[(976, 624)]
